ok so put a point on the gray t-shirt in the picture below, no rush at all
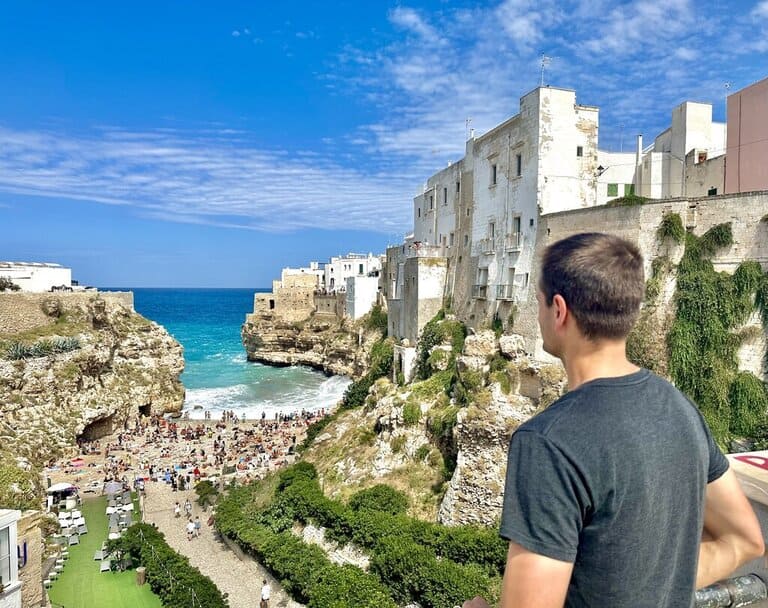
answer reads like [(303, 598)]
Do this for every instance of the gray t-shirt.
[(612, 477)]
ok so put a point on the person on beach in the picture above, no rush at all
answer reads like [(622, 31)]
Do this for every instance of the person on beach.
[(188, 507), (190, 529), (608, 490), (198, 526), (177, 509), (266, 592)]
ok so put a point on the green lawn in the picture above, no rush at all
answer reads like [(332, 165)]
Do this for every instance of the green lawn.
[(81, 585)]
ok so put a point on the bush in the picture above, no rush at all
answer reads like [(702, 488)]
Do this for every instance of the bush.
[(411, 413), (671, 227), (206, 493), (381, 498), (377, 319), (382, 354), (7, 285), (169, 574)]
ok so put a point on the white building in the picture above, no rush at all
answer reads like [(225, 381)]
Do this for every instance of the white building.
[(10, 586), (313, 269), (351, 265), (362, 292), (687, 159), (35, 276)]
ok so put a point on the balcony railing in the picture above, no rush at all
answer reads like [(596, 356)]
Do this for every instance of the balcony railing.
[(480, 292), (486, 245), (506, 292), (514, 241)]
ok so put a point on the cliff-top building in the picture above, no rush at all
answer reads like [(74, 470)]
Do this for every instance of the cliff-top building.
[(36, 276), (476, 221)]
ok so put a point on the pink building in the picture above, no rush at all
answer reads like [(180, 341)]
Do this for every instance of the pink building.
[(747, 149)]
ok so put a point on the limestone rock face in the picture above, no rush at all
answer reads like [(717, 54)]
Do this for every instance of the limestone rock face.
[(481, 344), (329, 346), (124, 364), (512, 345)]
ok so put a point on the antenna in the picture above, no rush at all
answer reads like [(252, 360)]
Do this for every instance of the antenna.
[(545, 61), (727, 87)]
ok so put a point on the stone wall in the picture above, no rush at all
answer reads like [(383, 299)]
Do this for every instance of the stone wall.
[(330, 304), (639, 224), (292, 299), (20, 312), (30, 574)]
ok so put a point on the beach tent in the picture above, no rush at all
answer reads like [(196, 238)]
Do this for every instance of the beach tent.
[(60, 487)]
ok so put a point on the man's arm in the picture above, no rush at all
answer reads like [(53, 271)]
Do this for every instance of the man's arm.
[(530, 580), (732, 534)]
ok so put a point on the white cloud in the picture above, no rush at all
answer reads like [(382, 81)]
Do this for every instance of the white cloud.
[(215, 177), (409, 19), (761, 10), (236, 33)]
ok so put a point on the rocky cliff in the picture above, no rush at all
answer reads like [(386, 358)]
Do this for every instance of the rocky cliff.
[(327, 344), (94, 364), (446, 451)]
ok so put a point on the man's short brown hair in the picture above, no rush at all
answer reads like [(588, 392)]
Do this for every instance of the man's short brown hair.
[(600, 277)]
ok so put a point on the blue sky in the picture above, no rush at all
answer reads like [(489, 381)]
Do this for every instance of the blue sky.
[(201, 144)]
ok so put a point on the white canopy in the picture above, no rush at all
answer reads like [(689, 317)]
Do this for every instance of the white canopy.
[(60, 487)]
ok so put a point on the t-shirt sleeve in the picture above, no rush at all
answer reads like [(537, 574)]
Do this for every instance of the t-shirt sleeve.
[(544, 498), (718, 463)]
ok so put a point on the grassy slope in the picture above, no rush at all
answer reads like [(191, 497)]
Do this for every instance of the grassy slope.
[(81, 585)]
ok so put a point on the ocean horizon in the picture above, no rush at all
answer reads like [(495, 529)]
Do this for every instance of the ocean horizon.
[(217, 375)]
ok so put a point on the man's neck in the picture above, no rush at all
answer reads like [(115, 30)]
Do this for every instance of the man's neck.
[(588, 361)]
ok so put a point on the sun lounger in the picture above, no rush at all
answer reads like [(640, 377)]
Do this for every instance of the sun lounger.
[(74, 539), (98, 556), (106, 565), (82, 529)]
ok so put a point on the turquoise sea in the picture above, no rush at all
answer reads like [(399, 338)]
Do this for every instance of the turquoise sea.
[(217, 376)]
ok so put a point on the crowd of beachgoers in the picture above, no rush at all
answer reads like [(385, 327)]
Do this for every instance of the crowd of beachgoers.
[(180, 451)]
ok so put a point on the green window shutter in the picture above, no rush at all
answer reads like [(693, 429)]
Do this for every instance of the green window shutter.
[(613, 189)]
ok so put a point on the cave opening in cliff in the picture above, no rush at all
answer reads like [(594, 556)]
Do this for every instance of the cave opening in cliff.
[(145, 410), (101, 427)]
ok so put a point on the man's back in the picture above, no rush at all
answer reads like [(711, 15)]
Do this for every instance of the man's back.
[(612, 477)]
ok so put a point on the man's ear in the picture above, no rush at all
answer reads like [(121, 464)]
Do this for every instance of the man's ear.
[(560, 309)]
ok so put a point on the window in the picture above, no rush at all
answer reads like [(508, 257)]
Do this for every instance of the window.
[(360, 269), (445, 196), (431, 201), (493, 174), (482, 276), (418, 211), (5, 556), (519, 165), (629, 189), (712, 192), (272, 302), (579, 150), (613, 190), (450, 239), (458, 187), (531, 222), (467, 211), (516, 224), (491, 230), (466, 240)]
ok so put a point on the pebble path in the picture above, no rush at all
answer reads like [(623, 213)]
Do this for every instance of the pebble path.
[(240, 578)]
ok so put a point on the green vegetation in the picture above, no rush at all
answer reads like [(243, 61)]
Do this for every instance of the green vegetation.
[(411, 413), (702, 342), (671, 227), (42, 348), (497, 325), (7, 285), (81, 585), (377, 319), (411, 560), (206, 493), (19, 488), (630, 200)]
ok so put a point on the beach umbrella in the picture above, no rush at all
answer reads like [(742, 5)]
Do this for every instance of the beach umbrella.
[(60, 487), (113, 487)]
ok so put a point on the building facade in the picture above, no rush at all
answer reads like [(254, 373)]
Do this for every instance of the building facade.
[(747, 169), (10, 585), (37, 277), (338, 269)]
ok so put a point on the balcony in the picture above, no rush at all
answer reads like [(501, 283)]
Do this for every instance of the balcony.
[(506, 292), (514, 241), (487, 245), (480, 292)]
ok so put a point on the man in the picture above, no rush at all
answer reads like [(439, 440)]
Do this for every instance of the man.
[(266, 592), (190, 529), (616, 495)]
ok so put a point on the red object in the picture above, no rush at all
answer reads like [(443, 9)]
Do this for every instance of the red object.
[(756, 461)]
